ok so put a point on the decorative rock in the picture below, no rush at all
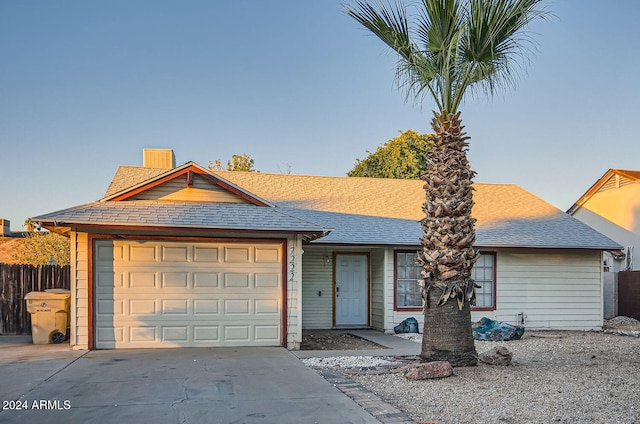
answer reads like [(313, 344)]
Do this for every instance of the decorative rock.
[(495, 331), (409, 325), (497, 356), (427, 370)]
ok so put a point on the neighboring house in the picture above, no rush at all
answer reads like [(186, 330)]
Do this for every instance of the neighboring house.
[(183, 256), (9, 242), (612, 206)]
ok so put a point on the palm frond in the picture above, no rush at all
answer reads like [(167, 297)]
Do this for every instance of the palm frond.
[(390, 23), (453, 45), (495, 42)]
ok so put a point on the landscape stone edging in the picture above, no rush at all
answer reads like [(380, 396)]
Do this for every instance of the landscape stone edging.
[(370, 402)]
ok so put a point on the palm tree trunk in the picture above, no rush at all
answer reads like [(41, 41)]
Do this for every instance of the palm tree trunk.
[(447, 253), (447, 334)]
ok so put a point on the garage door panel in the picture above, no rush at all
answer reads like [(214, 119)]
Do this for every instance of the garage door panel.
[(267, 332), (175, 307), (206, 333), (206, 279), (141, 279), (175, 333), (142, 307), (236, 279), (108, 308), (175, 279), (151, 336), (206, 306), (110, 335), (108, 278), (175, 254), (142, 253), (267, 280), (267, 255), (267, 307), (237, 254), (172, 294), (206, 254), (143, 334), (237, 333)]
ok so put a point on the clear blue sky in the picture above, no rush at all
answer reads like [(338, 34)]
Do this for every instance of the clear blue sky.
[(86, 85)]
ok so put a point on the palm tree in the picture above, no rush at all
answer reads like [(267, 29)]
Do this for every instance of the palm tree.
[(446, 49)]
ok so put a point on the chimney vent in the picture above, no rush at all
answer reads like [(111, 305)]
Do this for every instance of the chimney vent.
[(158, 158)]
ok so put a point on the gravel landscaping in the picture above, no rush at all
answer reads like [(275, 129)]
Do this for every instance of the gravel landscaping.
[(555, 377)]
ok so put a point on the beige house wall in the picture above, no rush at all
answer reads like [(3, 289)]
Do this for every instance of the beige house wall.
[(379, 267), (317, 290), (555, 289), (79, 243), (621, 206), (615, 213), (294, 291), (200, 191)]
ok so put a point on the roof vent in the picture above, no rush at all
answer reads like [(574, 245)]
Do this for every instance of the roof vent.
[(158, 158)]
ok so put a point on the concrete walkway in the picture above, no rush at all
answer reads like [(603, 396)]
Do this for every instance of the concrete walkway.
[(393, 346)]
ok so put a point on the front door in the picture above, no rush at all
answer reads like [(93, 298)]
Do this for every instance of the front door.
[(351, 290)]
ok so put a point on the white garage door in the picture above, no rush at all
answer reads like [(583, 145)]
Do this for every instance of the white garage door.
[(187, 294)]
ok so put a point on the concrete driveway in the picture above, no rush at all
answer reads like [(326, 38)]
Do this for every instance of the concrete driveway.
[(198, 385)]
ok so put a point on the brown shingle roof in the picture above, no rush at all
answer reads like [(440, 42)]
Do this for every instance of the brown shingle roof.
[(383, 197), (386, 211), (127, 176)]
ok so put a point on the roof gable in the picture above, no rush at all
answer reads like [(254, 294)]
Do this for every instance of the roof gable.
[(187, 183), (612, 179)]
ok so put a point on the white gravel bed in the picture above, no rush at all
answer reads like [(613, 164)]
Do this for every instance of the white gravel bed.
[(348, 362), (581, 377)]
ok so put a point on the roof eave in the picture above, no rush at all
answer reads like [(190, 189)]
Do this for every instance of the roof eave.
[(81, 224)]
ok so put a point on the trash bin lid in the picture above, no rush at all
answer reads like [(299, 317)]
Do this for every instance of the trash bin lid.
[(64, 291), (46, 295)]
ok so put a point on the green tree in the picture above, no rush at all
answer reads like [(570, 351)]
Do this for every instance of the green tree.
[(445, 49), (38, 247), (243, 162), (30, 225), (402, 157)]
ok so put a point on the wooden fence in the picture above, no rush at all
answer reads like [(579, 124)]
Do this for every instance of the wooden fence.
[(18, 280), (629, 294)]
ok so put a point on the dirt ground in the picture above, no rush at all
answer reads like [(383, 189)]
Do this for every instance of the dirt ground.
[(334, 340), (343, 340)]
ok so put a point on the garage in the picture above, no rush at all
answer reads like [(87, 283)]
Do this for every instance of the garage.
[(152, 294)]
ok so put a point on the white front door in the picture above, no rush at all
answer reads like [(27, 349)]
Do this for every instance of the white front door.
[(351, 294)]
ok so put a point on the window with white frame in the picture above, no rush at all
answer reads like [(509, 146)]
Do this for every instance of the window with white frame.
[(408, 294), (407, 274), (483, 273)]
